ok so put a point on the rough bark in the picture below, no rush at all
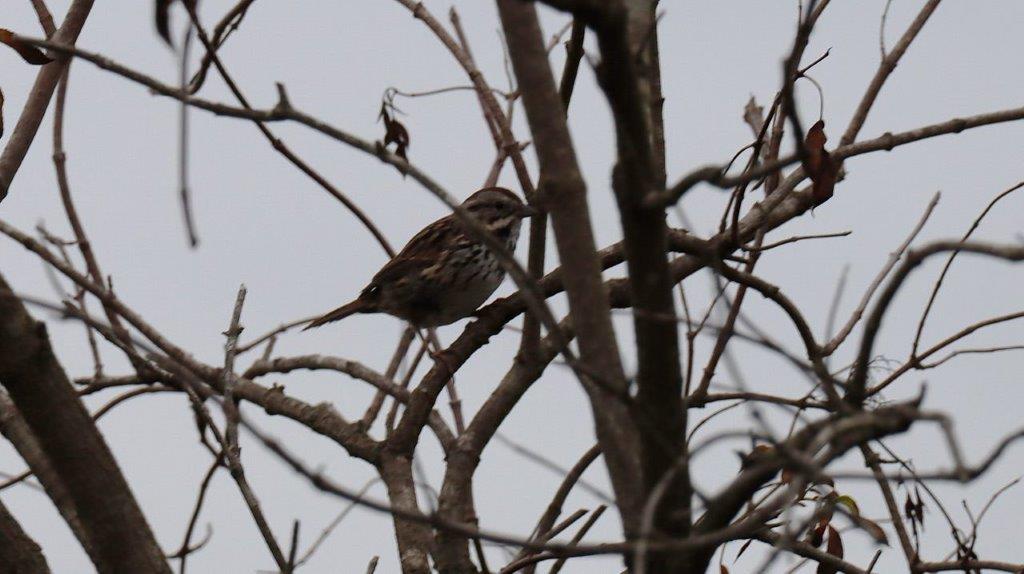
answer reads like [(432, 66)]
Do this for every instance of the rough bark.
[(18, 552), (413, 537), (566, 201), (16, 430), (628, 75), (119, 537)]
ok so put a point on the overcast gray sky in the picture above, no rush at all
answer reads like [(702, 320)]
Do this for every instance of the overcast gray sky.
[(263, 223)]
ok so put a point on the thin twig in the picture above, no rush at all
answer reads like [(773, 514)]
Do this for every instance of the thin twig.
[(183, 551), (401, 351), (594, 516), (796, 238), (231, 447), (183, 145), (334, 524), (45, 17), (894, 258), (949, 263)]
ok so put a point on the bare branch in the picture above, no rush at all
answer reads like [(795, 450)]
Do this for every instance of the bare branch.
[(18, 552), (39, 97), (885, 69), (856, 389), (894, 258), (949, 262), (567, 204), (119, 537)]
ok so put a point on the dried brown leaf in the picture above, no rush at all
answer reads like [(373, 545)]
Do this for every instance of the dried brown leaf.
[(874, 530), (817, 535), (835, 548), (163, 21), (394, 132), (819, 165), (758, 454), (28, 52), (753, 115), (744, 548), (161, 14)]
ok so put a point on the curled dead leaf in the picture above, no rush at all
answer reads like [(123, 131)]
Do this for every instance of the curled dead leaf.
[(744, 548), (28, 52), (394, 132), (835, 543), (817, 534), (163, 22), (835, 548), (819, 164), (874, 530), (908, 508), (163, 19)]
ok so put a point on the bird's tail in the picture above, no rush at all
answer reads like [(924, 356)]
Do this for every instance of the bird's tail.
[(357, 306)]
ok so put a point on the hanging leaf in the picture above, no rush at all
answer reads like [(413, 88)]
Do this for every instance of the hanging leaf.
[(817, 535), (744, 548), (835, 548), (835, 543), (28, 52), (163, 21), (394, 132), (874, 530), (819, 165), (757, 454)]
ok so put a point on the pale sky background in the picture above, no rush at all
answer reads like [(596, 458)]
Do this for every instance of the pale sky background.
[(263, 223)]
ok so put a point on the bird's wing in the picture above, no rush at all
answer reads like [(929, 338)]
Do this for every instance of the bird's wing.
[(425, 249)]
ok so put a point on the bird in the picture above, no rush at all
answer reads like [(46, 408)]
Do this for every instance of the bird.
[(444, 273)]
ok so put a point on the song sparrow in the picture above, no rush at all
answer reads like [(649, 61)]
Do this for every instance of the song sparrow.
[(443, 274)]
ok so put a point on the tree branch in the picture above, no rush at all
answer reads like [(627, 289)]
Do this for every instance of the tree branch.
[(118, 533), (565, 200), (39, 97)]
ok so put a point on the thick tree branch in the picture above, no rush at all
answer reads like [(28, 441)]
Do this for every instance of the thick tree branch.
[(119, 536), (625, 75), (18, 552), (17, 431), (565, 200)]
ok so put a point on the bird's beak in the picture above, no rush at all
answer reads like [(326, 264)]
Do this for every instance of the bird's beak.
[(527, 211)]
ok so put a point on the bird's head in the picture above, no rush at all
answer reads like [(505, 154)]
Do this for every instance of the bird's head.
[(497, 208)]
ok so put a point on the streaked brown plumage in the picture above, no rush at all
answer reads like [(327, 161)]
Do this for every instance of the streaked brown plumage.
[(443, 273)]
